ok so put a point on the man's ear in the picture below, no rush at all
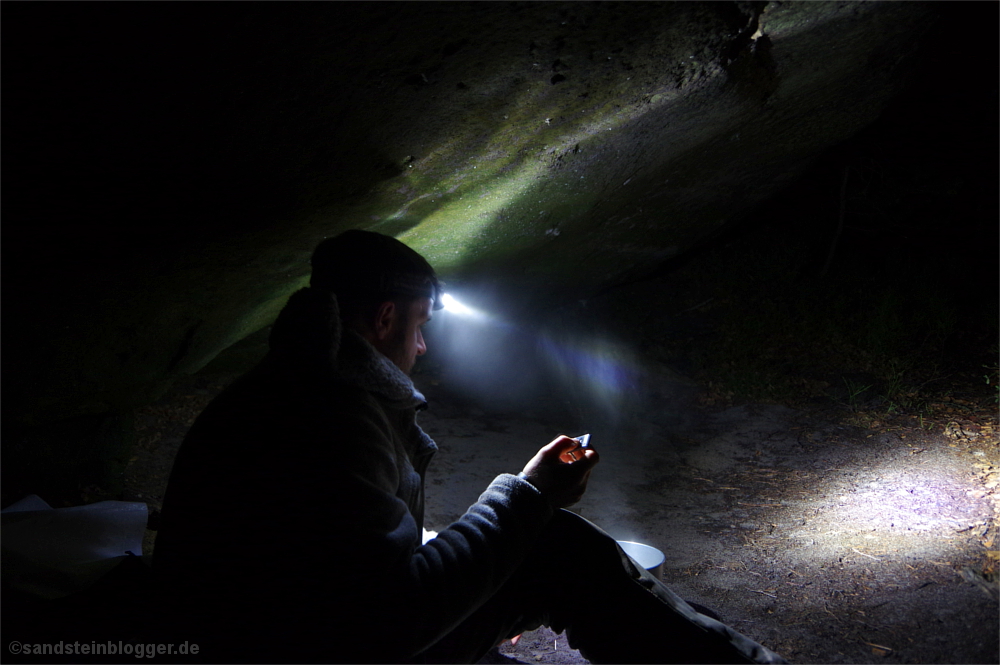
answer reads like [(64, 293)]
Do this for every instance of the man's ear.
[(385, 317)]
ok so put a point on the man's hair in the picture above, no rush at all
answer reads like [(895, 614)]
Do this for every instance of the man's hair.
[(365, 269)]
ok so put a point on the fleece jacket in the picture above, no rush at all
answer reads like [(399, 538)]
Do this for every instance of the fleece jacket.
[(291, 525)]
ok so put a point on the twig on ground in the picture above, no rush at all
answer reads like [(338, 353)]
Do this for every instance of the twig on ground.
[(713, 482), (827, 610), (863, 554), (879, 646), (764, 593)]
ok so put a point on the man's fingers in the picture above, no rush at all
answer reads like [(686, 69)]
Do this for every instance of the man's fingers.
[(564, 449), (585, 456), (560, 444)]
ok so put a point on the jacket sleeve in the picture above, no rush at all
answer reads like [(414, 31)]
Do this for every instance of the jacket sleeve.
[(422, 591)]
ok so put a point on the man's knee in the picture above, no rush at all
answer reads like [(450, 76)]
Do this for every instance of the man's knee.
[(572, 539)]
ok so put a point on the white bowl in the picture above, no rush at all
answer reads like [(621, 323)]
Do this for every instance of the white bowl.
[(645, 556)]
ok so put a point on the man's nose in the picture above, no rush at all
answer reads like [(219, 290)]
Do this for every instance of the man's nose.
[(421, 346)]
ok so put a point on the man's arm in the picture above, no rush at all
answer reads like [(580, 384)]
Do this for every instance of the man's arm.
[(422, 591)]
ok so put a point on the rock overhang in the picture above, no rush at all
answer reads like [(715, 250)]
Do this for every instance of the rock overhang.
[(508, 143), (533, 180)]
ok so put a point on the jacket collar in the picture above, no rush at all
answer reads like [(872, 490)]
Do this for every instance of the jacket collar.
[(361, 364)]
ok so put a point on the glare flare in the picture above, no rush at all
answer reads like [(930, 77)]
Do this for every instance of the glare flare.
[(452, 305)]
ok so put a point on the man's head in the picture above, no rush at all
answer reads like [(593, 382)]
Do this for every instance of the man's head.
[(397, 330), (385, 290)]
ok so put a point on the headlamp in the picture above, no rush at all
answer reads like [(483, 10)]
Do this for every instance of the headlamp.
[(414, 285)]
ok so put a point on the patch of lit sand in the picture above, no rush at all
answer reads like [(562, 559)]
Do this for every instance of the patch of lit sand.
[(887, 512)]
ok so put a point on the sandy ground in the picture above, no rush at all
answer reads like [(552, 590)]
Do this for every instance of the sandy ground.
[(824, 541), (825, 537)]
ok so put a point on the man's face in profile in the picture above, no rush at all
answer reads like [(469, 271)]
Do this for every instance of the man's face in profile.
[(407, 339)]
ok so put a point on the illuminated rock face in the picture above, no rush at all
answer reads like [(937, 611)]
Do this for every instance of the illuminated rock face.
[(204, 154)]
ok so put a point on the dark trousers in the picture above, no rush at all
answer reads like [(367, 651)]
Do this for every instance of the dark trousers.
[(579, 580)]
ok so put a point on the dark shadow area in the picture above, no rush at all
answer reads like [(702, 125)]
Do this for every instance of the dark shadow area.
[(921, 179)]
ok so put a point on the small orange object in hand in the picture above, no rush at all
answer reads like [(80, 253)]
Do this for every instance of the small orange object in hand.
[(575, 454)]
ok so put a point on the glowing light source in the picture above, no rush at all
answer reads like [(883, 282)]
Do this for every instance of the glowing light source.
[(452, 305)]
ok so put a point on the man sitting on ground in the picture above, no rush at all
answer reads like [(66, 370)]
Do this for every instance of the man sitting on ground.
[(291, 527)]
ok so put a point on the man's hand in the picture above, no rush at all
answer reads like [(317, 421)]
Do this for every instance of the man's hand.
[(561, 470)]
